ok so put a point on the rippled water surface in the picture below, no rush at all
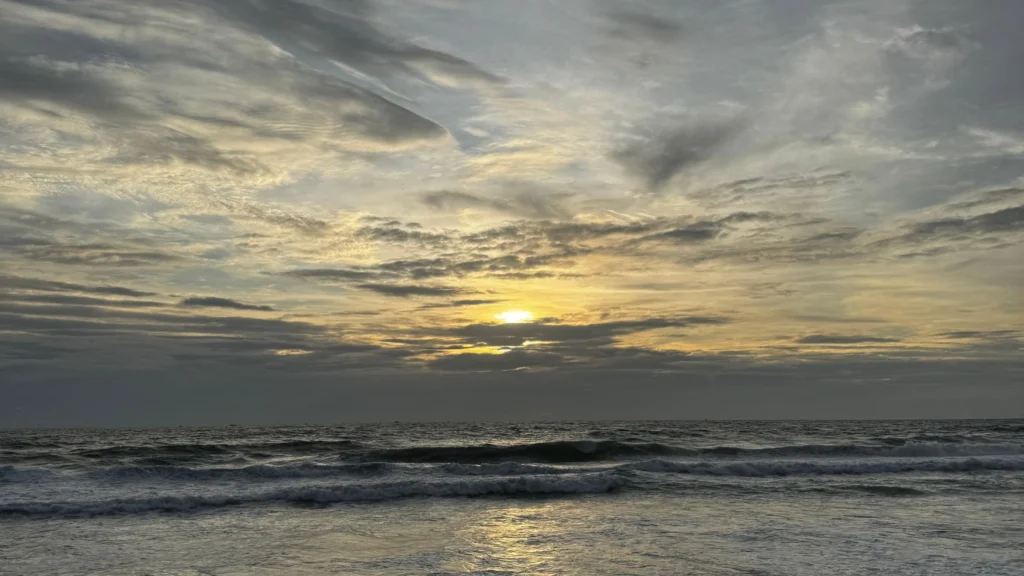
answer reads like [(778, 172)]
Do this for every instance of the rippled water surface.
[(936, 498)]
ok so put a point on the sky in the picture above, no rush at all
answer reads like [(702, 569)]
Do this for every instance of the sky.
[(288, 211)]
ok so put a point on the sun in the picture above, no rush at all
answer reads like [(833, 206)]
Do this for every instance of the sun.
[(514, 316)]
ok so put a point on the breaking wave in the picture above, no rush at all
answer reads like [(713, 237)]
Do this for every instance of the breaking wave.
[(781, 468), (879, 490), (593, 451), (186, 450), (300, 470), (374, 492), (563, 451)]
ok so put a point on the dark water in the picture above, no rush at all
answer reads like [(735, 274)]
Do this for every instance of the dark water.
[(635, 481)]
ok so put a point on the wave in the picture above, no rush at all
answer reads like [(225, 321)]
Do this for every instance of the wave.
[(11, 474), (559, 451), (594, 450), (879, 490), (781, 468), (301, 470), (506, 469), (158, 451), (905, 450), (374, 492)]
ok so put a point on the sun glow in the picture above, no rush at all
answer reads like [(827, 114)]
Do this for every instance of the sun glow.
[(514, 316)]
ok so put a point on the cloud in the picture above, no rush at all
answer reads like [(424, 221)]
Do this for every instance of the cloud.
[(983, 334), (988, 197), (692, 234), (407, 290), (214, 302), (246, 96), (641, 26), (658, 157), (333, 274), (523, 204), (460, 303), (945, 234), (598, 333), (844, 339), (33, 79), (918, 42), (20, 283), (80, 300), (344, 32), (396, 234), (1005, 220), (91, 333), (35, 236), (90, 254), (511, 360), (506, 265)]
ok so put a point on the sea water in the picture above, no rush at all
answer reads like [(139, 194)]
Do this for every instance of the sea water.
[(766, 498)]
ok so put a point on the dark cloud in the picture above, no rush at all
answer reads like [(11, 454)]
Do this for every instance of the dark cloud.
[(921, 42), (532, 275), (990, 197), (844, 339), (407, 290), (577, 356), (1005, 220), (375, 117), (29, 80), (642, 26), (163, 146), (57, 68), (597, 334), (692, 234), (508, 265), (615, 358), (836, 236), (511, 360), (95, 254), (333, 274), (215, 302), (658, 157), (35, 236), (526, 204), (396, 234), (20, 351), (943, 235), (344, 32), (19, 283), (460, 303), (102, 332), (567, 236), (79, 300), (983, 334)]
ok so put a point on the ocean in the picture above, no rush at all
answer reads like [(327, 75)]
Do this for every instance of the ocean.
[(577, 498)]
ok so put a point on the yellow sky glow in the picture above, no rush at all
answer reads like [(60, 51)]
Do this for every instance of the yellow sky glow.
[(514, 316)]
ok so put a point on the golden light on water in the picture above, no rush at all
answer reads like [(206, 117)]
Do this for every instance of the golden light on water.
[(515, 316)]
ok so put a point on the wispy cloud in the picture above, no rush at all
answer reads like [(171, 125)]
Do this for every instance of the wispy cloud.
[(667, 187), (215, 302)]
